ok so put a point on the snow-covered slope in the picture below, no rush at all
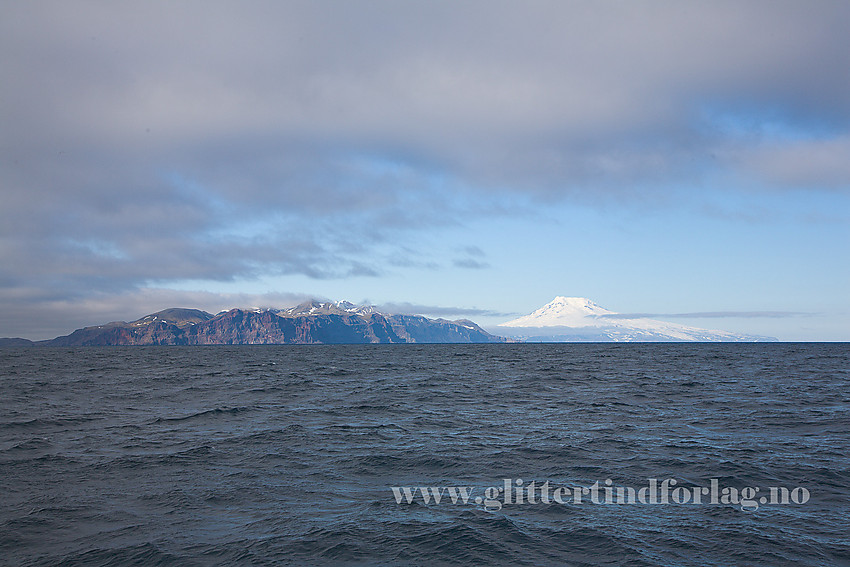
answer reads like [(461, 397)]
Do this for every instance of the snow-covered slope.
[(566, 319), (564, 312), (314, 307)]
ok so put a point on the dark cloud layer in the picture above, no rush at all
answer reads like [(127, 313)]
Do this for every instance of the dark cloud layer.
[(162, 141)]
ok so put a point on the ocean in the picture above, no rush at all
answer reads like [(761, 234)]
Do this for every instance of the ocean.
[(322, 455)]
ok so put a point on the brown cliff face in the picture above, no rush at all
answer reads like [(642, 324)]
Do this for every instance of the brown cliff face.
[(311, 323)]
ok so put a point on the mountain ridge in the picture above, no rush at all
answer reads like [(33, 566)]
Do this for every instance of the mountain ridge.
[(564, 319), (311, 322)]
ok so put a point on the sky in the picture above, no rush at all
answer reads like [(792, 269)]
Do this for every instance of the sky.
[(475, 159)]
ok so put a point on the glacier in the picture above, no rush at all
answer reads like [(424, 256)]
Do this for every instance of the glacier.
[(578, 319)]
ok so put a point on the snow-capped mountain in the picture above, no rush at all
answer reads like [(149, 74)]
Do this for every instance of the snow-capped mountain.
[(564, 312), (568, 319)]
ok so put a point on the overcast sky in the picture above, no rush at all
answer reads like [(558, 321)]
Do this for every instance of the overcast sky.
[(461, 159)]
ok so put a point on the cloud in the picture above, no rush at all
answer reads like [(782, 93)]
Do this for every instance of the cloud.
[(470, 264), (545, 97), (805, 163), (710, 315), (440, 311), (161, 141), (472, 251), (473, 258)]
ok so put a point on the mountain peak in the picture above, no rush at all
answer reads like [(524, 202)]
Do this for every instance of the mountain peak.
[(562, 311), (176, 316), (576, 303)]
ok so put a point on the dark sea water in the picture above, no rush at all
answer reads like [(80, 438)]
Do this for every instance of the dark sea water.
[(266, 455)]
